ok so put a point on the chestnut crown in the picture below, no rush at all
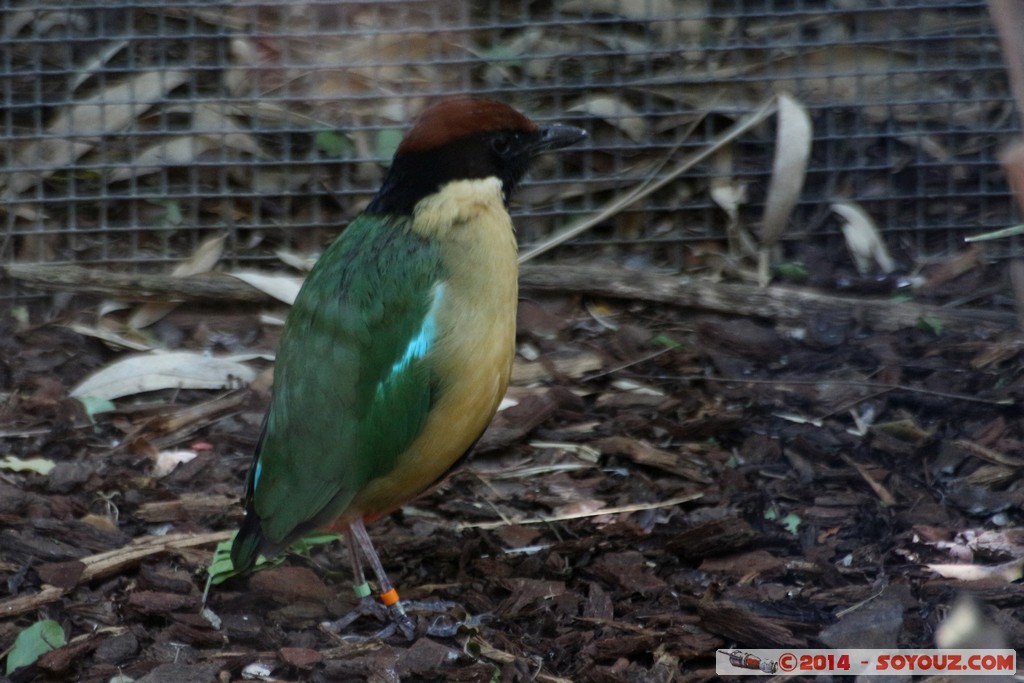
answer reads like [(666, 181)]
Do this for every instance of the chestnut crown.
[(465, 139)]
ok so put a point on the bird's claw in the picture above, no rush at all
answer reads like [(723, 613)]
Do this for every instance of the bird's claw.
[(405, 623), (394, 616), (443, 625), (367, 607), (448, 626)]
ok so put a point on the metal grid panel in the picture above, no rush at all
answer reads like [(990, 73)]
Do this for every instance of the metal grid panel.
[(132, 130)]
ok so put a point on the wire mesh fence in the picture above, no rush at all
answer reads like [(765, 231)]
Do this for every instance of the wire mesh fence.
[(131, 131)]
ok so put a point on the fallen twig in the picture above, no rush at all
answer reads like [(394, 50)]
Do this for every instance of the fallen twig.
[(637, 507), (109, 563), (866, 384), (781, 304), (777, 303), (650, 185)]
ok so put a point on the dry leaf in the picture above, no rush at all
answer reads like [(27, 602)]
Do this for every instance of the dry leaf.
[(1008, 571), (282, 287), (77, 128), (155, 371), (202, 260), (617, 113), (111, 337), (296, 261), (166, 461), (180, 151), (789, 168), (863, 239), (966, 626)]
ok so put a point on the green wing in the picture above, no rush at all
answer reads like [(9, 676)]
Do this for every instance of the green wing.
[(352, 386)]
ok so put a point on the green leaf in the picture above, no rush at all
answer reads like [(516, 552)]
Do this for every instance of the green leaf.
[(173, 214), (791, 523), (332, 143), (95, 405), (793, 270), (38, 465), (503, 53), (666, 341), (221, 569), (20, 314), (34, 642), (930, 324), (387, 142)]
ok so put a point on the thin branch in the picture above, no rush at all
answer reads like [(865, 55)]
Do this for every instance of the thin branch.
[(636, 507), (649, 185), (866, 384), (107, 564)]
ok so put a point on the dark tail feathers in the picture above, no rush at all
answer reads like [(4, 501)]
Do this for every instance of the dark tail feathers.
[(248, 543)]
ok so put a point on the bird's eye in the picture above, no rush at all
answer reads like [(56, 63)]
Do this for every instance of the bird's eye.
[(501, 144)]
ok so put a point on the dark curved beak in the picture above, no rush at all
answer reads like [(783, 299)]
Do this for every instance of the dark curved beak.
[(556, 136)]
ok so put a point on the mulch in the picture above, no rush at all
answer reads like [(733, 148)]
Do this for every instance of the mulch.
[(668, 483)]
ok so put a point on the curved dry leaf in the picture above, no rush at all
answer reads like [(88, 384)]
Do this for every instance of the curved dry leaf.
[(218, 125), (1008, 571), (211, 130), (282, 287), (202, 260), (789, 168), (729, 195), (166, 461), (863, 239), (111, 337), (180, 151), (174, 370), (967, 626), (616, 112), (77, 127), (296, 261)]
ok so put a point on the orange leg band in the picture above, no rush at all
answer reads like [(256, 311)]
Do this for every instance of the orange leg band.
[(389, 597)]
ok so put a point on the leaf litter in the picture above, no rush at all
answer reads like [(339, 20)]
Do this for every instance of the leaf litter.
[(758, 494), (625, 518)]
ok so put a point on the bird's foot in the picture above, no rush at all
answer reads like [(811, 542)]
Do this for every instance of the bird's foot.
[(448, 617), (367, 607), (405, 623), (447, 626), (394, 616)]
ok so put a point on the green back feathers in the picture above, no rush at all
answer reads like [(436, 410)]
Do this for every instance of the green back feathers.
[(352, 382)]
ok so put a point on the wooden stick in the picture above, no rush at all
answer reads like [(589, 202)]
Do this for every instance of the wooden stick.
[(781, 304), (777, 303), (107, 564), (136, 286)]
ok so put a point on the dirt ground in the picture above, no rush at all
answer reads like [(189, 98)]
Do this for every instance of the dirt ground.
[(668, 482)]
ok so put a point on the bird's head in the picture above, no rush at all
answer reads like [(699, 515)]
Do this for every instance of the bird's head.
[(465, 139)]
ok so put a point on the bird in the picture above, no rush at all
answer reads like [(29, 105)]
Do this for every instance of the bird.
[(398, 348)]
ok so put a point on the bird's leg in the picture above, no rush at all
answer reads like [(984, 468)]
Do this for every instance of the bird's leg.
[(360, 586), (388, 594)]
